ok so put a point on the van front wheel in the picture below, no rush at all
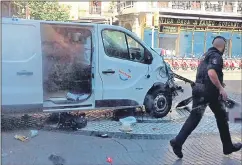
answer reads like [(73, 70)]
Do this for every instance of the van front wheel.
[(158, 104)]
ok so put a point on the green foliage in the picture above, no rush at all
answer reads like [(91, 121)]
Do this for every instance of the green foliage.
[(43, 10), (112, 6)]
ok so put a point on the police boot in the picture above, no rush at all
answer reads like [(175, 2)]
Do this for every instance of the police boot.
[(236, 147), (176, 148)]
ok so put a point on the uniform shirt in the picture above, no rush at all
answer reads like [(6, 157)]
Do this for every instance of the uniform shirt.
[(212, 59), (215, 62)]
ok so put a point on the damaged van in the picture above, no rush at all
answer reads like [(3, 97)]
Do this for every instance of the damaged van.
[(58, 66)]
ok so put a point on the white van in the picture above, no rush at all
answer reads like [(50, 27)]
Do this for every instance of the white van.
[(58, 66)]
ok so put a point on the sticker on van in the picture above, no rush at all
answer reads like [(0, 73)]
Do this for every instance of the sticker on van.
[(124, 76)]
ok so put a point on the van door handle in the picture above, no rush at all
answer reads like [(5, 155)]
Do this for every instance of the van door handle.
[(108, 71), (24, 73)]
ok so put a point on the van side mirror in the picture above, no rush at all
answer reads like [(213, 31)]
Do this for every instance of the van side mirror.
[(148, 57)]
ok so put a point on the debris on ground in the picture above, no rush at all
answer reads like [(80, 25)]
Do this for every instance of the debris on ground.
[(154, 129), (126, 128), (40, 120), (56, 160), (109, 160), (4, 154), (68, 120), (126, 123), (131, 120), (33, 133), (123, 113), (103, 135), (53, 118), (21, 138)]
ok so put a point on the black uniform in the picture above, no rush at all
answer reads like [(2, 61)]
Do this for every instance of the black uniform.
[(211, 60)]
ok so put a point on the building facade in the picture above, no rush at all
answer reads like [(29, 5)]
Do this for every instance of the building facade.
[(185, 28), (89, 11), (92, 11), (9, 9)]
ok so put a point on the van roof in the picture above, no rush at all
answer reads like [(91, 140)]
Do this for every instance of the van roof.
[(44, 21), (14, 19)]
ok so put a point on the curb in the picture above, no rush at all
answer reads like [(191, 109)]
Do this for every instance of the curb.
[(123, 135)]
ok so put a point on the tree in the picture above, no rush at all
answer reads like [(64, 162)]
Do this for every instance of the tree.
[(43, 10), (112, 6)]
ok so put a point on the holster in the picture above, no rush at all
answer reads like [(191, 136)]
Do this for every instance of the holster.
[(199, 90)]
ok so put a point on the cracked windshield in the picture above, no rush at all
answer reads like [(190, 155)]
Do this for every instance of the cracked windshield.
[(121, 82)]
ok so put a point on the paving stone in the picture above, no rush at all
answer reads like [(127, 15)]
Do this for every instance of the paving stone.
[(157, 130), (207, 151)]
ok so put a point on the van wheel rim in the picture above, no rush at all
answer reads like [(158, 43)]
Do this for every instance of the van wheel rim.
[(160, 103)]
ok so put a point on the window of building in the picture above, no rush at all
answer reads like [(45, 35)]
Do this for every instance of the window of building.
[(239, 9), (162, 4), (95, 7), (228, 6), (184, 5), (129, 4), (196, 5), (213, 6)]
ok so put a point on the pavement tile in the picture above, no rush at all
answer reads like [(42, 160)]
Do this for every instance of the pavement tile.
[(157, 130)]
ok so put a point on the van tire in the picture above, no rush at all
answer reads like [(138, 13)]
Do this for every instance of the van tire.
[(158, 103)]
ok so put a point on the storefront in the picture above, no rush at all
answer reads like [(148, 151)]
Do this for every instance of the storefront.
[(192, 37)]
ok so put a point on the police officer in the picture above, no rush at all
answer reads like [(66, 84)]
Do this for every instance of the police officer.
[(207, 91)]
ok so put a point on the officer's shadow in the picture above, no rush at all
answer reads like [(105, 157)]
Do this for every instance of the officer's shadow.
[(229, 160), (226, 160)]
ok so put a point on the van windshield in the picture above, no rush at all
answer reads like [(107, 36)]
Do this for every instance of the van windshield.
[(156, 53)]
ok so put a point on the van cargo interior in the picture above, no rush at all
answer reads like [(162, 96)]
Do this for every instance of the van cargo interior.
[(66, 52)]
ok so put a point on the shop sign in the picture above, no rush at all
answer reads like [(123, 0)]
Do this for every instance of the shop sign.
[(199, 22)]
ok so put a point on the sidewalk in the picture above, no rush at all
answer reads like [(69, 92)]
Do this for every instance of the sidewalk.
[(85, 150)]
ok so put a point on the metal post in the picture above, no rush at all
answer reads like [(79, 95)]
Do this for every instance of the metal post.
[(9, 9), (178, 41), (205, 41), (193, 40), (110, 21), (152, 37), (231, 42)]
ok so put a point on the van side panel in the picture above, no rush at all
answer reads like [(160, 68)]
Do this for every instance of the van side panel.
[(21, 67)]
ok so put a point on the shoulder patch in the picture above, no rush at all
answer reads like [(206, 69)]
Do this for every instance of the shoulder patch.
[(215, 61)]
